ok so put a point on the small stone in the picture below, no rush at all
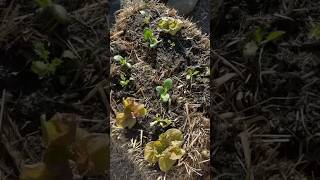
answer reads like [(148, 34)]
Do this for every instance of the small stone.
[(183, 7)]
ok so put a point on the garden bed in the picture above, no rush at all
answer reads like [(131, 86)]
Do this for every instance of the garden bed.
[(189, 108)]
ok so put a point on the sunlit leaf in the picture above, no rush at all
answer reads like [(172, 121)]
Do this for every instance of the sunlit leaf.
[(152, 151), (59, 130), (169, 25), (34, 172), (171, 135), (165, 163), (132, 110)]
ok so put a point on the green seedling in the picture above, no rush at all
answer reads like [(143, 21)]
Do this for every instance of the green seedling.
[(192, 73), (124, 82), (132, 110), (65, 142), (259, 40), (149, 37), (172, 44), (51, 15), (147, 17), (315, 31), (122, 61), (169, 25), (161, 122), (43, 66), (166, 150), (163, 90)]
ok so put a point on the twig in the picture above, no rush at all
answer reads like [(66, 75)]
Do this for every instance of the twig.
[(2, 109)]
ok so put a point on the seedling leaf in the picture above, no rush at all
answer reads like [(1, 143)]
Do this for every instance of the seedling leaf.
[(250, 49), (167, 150), (132, 110), (167, 84), (274, 35)]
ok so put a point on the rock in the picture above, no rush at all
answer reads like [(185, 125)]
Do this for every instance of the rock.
[(183, 7)]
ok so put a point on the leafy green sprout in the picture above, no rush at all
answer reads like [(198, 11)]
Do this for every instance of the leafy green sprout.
[(172, 44), (192, 73), (163, 90), (315, 31), (124, 82), (259, 40), (122, 61), (149, 37), (162, 122), (43, 66)]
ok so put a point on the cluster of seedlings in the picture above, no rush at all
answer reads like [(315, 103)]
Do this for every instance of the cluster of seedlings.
[(168, 148)]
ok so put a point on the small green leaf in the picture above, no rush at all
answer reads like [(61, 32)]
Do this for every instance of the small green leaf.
[(165, 97), (258, 35), (250, 49), (40, 68), (147, 34), (160, 90), (274, 35), (118, 57), (167, 84)]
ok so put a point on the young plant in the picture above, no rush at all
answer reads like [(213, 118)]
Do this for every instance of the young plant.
[(122, 61), (43, 66), (124, 82), (166, 150), (149, 37), (162, 122), (132, 110), (259, 40), (192, 73), (51, 15), (169, 25), (315, 31), (163, 90), (70, 151)]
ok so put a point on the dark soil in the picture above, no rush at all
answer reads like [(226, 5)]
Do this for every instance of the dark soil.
[(76, 87), (266, 108)]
